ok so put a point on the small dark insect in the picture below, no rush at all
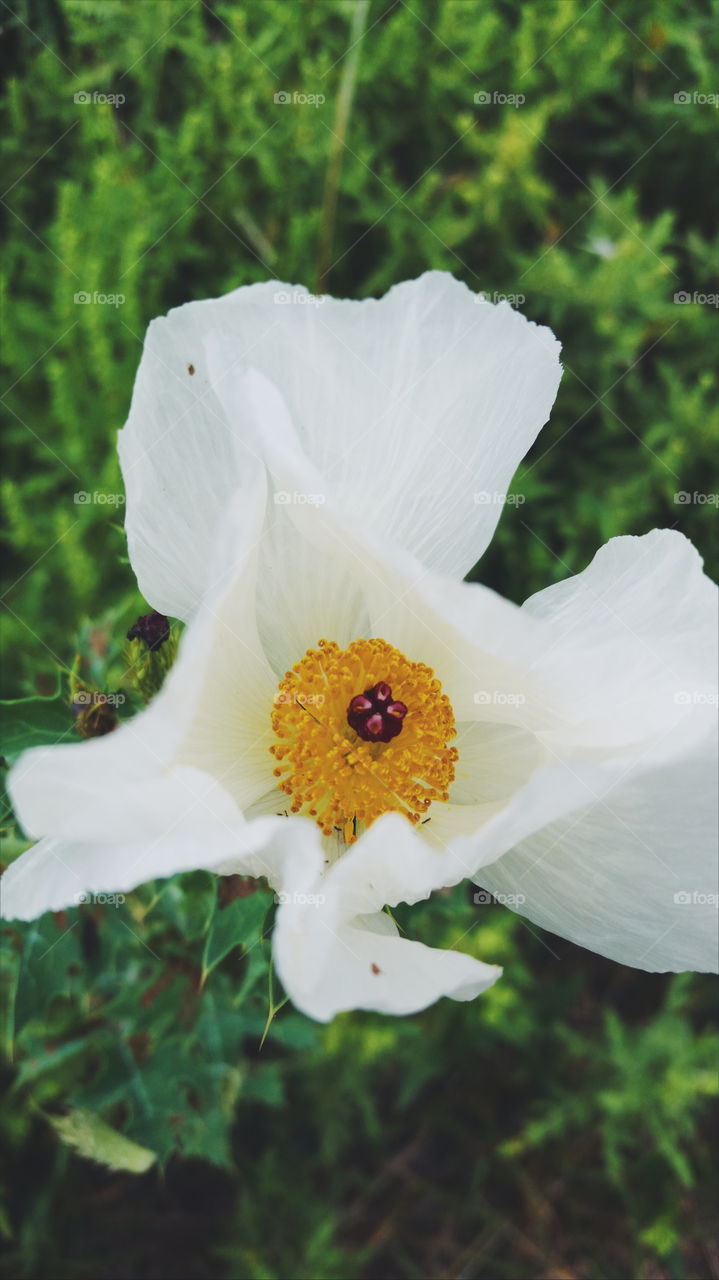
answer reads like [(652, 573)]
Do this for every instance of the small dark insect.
[(190, 369), (375, 968)]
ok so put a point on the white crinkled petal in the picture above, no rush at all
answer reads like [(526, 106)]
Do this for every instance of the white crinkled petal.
[(366, 969), (192, 835), (618, 659), (636, 641), (335, 949), (182, 463), (304, 594), (479, 644), (634, 876), (170, 783), (220, 675), (408, 406)]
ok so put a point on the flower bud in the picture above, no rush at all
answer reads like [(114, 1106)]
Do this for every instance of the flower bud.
[(150, 653), (153, 628)]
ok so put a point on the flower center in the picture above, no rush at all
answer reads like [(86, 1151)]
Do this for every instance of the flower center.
[(374, 715), (345, 756)]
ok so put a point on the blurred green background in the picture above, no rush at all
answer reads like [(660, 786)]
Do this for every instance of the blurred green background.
[(560, 1125)]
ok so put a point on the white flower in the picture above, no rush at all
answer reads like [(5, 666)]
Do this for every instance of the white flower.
[(306, 473)]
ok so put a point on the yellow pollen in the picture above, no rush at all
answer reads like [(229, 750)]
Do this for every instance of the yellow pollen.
[(332, 774)]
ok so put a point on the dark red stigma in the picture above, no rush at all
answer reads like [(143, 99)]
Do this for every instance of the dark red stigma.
[(374, 716)]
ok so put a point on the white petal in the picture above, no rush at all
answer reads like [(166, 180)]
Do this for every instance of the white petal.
[(174, 777), (494, 762), (182, 461), (627, 667), (408, 406), (220, 675), (336, 950), (636, 643), (367, 969), (483, 648), (55, 874), (303, 594), (634, 876), (478, 834)]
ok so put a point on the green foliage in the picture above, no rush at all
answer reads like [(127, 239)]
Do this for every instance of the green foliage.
[(97, 1141), (138, 1011), (33, 722), (557, 1126)]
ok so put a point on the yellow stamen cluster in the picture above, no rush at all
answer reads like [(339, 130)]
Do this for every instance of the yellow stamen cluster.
[(331, 773)]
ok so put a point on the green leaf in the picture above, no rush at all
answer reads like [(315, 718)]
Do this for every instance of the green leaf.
[(240, 923), (266, 1085), (9, 976), (87, 1134), (190, 902), (33, 722)]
